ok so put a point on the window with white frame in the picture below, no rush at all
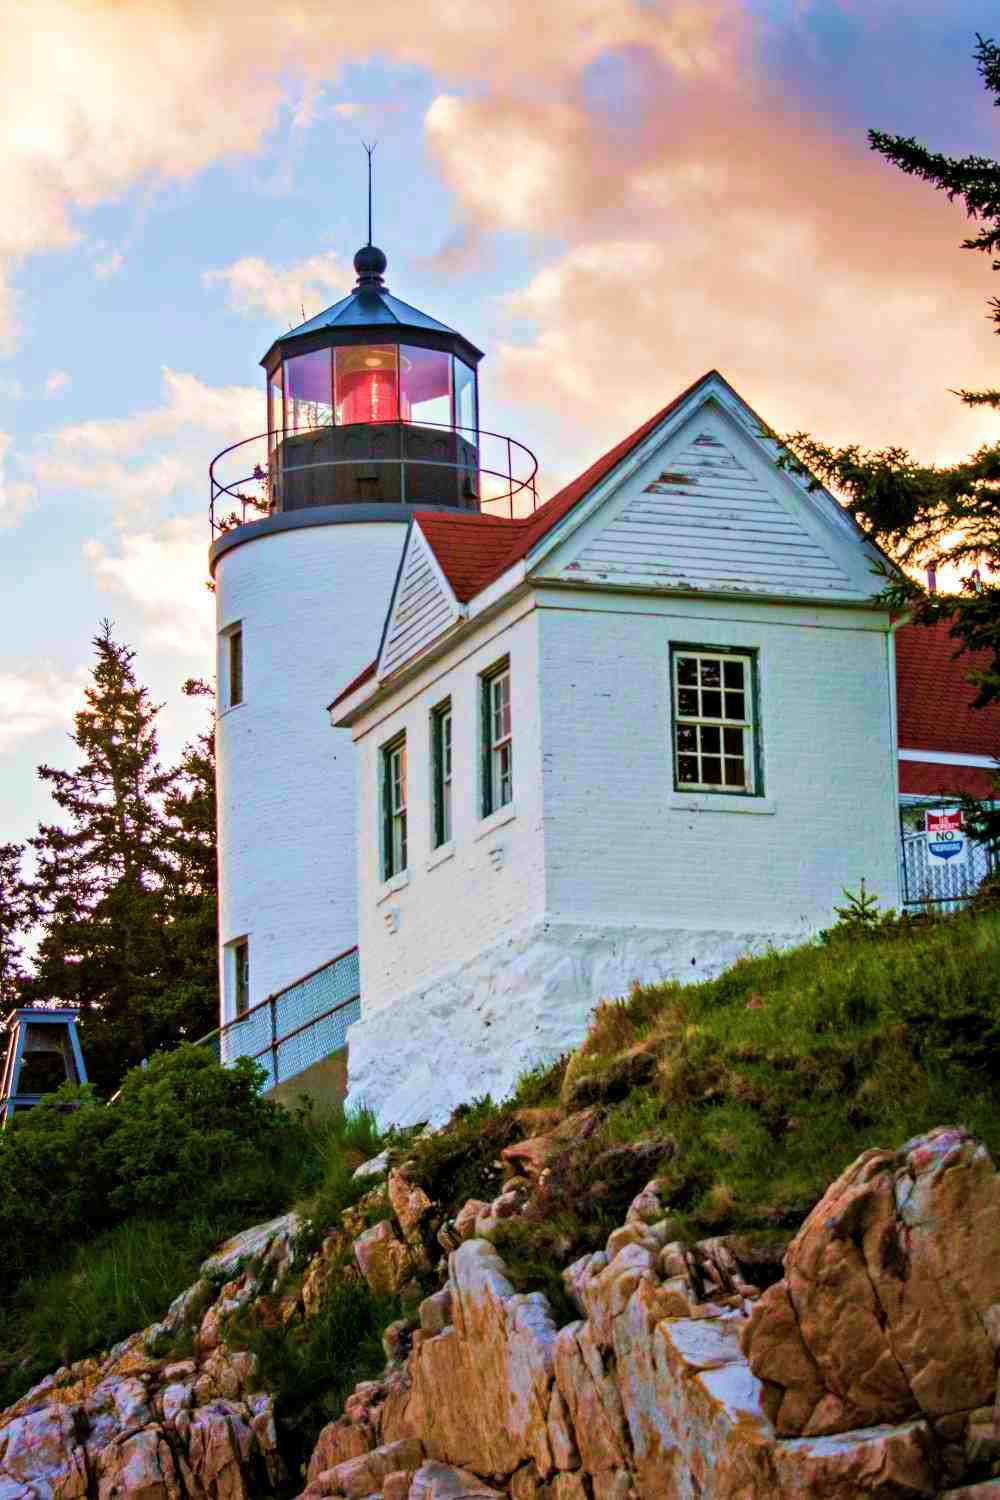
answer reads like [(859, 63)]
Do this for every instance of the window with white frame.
[(441, 751), (498, 765), (394, 808), (714, 728)]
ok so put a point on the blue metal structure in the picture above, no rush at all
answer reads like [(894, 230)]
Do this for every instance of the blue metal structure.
[(38, 1031)]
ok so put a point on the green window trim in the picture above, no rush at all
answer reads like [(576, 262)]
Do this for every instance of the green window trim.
[(393, 794), (441, 753), (497, 739)]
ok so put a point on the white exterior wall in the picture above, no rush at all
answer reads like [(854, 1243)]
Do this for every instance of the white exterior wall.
[(488, 881), (472, 978), (311, 602), (623, 848)]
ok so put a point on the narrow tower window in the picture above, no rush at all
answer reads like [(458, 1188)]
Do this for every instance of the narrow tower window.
[(498, 766), (236, 666), (441, 745), (394, 808), (241, 976)]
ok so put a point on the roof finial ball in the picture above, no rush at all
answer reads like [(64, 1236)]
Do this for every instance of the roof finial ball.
[(370, 263)]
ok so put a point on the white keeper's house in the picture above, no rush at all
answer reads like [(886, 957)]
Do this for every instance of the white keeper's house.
[(628, 734)]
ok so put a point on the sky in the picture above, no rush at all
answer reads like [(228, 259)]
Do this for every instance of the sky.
[(609, 197)]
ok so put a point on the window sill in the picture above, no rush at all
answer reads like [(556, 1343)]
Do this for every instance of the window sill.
[(231, 708), (439, 855), (497, 820), (391, 886), (720, 802)]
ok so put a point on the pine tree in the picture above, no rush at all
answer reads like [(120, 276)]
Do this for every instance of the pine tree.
[(15, 921), (102, 878), (193, 890), (924, 514)]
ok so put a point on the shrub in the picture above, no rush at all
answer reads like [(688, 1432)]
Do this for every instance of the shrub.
[(184, 1131)]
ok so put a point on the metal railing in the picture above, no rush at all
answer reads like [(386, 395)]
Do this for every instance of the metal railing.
[(298, 1025), (930, 882), (506, 469)]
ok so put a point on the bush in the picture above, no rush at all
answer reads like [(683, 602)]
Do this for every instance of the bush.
[(185, 1131)]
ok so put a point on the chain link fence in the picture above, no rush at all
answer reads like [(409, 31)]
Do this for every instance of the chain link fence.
[(931, 882), (290, 1030)]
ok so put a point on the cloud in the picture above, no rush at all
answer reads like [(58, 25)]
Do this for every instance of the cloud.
[(37, 698), (109, 265), (161, 572), (139, 462), (16, 496), (736, 233), (103, 96), (57, 382), (288, 294)]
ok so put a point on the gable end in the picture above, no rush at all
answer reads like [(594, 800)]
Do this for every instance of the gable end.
[(422, 608)]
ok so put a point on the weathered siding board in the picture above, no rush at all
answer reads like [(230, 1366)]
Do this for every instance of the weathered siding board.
[(708, 522), (423, 608)]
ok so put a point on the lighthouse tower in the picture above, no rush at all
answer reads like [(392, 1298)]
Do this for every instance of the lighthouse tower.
[(372, 412)]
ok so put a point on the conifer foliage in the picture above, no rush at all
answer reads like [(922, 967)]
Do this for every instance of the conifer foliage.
[(15, 920), (124, 887), (926, 514)]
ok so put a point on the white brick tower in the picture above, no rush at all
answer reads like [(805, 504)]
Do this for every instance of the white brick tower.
[(372, 413)]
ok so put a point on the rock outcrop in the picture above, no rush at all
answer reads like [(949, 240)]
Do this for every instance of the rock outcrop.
[(861, 1364)]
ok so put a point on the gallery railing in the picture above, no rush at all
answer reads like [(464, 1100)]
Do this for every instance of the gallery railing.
[(298, 1025), (246, 479)]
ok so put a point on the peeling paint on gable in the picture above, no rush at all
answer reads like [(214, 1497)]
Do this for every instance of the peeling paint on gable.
[(709, 523)]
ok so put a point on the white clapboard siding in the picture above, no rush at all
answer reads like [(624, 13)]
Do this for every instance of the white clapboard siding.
[(707, 522), (422, 608)]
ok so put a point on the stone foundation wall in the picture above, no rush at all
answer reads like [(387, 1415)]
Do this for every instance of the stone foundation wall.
[(525, 1000)]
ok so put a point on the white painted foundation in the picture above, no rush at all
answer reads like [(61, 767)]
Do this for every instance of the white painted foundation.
[(526, 999)]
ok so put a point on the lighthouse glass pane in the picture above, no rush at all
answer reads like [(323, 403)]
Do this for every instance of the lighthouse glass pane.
[(425, 385), (275, 402), (465, 398), (366, 385), (307, 391)]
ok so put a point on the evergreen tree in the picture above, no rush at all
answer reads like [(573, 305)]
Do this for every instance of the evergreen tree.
[(193, 891), (924, 514), (15, 921), (102, 879)]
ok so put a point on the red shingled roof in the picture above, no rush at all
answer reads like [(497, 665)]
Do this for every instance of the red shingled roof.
[(355, 682), (936, 697), (473, 551), (919, 778)]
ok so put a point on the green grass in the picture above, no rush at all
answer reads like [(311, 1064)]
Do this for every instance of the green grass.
[(106, 1290), (759, 1087)]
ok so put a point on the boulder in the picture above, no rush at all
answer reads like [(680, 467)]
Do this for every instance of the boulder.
[(437, 1481), (359, 1477), (338, 1441), (495, 1358), (465, 1219), (409, 1202), (890, 1285), (139, 1467), (383, 1259)]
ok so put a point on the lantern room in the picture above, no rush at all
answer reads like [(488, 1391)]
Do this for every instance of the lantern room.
[(372, 401)]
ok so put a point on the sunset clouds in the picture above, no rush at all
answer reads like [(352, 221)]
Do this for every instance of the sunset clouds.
[(609, 196)]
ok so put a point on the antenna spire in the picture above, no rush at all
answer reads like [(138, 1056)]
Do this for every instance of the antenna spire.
[(369, 262), (370, 149)]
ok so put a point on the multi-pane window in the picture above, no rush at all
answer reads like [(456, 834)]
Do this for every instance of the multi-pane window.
[(241, 976), (394, 808), (441, 745), (713, 701), (498, 769), (235, 666)]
